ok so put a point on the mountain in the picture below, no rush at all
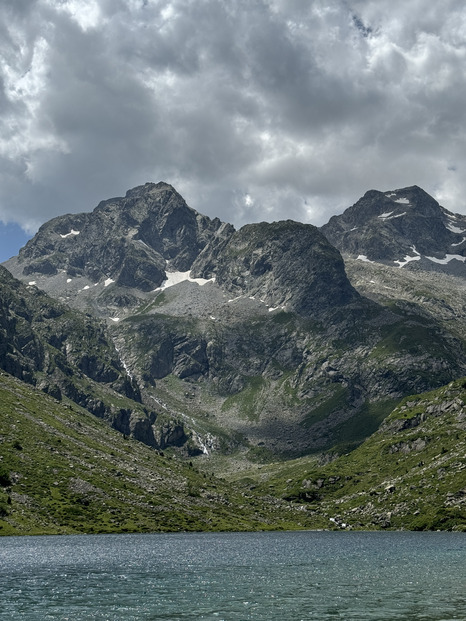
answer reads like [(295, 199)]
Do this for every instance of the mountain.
[(375, 233), (129, 242), (68, 354), (403, 228), (285, 264), (254, 340), (132, 243), (262, 354), (63, 470)]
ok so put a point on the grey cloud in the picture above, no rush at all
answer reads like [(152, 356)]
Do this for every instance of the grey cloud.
[(253, 110)]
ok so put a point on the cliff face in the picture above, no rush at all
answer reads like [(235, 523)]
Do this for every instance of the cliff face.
[(135, 241), (67, 354), (39, 333), (286, 264), (130, 240)]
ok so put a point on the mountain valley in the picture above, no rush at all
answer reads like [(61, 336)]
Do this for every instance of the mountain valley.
[(263, 354)]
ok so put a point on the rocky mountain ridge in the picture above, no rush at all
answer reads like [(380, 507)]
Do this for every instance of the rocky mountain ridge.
[(149, 229), (138, 242), (404, 228), (255, 338), (67, 354)]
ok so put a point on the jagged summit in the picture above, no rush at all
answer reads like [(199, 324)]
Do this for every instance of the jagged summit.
[(138, 242), (130, 240), (403, 228)]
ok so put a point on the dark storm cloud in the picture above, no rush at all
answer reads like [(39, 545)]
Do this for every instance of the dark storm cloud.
[(252, 110)]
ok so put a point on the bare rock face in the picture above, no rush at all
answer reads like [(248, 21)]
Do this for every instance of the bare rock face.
[(403, 228), (286, 264), (130, 240), (47, 344), (66, 353)]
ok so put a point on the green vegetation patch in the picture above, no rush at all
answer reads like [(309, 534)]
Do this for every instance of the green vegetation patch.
[(248, 402), (414, 337), (362, 424), (65, 471), (337, 400), (410, 474)]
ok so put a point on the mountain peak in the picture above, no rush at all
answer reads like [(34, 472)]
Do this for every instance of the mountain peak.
[(129, 240), (148, 188), (287, 264), (135, 240), (403, 228), (276, 352)]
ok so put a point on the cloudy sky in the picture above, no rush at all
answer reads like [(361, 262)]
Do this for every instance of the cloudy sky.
[(253, 109)]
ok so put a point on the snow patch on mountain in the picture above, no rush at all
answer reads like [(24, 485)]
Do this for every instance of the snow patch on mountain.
[(402, 201), (388, 215), (174, 278), (455, 229), (447, 259), (362, 257), (407, 259), (72, 232)]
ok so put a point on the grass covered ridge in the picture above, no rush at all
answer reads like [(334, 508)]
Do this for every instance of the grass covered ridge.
[(64, 471), (410, 474)]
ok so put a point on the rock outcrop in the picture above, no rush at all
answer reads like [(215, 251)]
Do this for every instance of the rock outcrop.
[(131, 241), (67, 354), (286, 264)]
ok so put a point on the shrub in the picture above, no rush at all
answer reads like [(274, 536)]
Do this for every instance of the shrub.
[(5, 480), (3, 509)]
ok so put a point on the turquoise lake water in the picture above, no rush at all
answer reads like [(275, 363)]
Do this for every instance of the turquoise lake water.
[(235, 576)]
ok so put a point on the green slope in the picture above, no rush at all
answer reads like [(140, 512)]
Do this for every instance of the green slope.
[(64, 471), (410, 474)]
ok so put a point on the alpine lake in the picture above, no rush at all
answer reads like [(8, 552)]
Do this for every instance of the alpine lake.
[(282, 576)]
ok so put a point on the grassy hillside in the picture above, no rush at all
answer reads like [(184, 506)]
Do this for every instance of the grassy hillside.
[(64, 471), (410, 474)]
